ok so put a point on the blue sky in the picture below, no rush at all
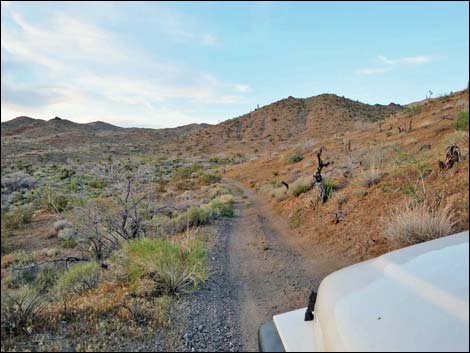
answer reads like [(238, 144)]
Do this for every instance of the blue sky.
[(168, 64)]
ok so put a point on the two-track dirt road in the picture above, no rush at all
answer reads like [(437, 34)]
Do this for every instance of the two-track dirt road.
[(259, 268), (272, 271)]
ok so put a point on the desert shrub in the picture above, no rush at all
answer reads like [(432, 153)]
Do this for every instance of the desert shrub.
[(301, 189), (145, 310), (42, 278), (218, 209), (202, 215), (295, 159), (78, 279), (97, 183), (69, 243), (304, 181), (67, 234), (462, 121), (208, 179), (340, 198), (66, 173), (184, 185), (18, 180), (61, 224), (196, 216), (330, 186), (53, 200), (16, 217), (46, 279), (416, 222), (21, 309), (219, 190), (174, 267), (370, 176), (186, 172), (275, 172), (296, 219), (416, 109)]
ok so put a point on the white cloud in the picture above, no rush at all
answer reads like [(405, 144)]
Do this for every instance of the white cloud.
[(390, 64), (406, 60), (373, 71), (86, 73)]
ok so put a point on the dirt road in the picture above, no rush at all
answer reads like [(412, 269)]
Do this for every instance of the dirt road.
[(258, 269), (272, 271)]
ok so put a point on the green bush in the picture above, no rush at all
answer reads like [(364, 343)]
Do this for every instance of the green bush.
[(174, 267), (330, 186), (462, 121), (199, 216), (186, 172), (16, 217), (208, 179), (46, 279), (196, 216), (78, 279), (416, 109), (53, 200), (218, 209), (295, 159), (301, 189)]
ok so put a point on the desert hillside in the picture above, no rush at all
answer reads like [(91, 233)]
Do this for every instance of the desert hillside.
[(283, 123), (111, 233), (374, 169)]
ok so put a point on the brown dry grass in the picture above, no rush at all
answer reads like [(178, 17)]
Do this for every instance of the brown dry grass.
[(415, 222)]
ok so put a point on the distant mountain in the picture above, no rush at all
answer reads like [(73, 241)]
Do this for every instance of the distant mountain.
[(38, 128), (62, 138), (280, 124)]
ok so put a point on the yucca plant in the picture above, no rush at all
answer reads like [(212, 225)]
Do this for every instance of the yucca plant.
[(21, 309)]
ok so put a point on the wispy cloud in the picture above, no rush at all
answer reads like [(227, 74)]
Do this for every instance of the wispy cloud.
[(373, 71), (387, 64), (97, 75)]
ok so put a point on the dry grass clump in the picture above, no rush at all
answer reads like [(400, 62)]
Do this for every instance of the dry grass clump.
[(416, 222), (370, 176), (302, 184)]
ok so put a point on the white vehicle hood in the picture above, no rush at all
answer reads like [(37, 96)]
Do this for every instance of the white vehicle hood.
[(413, 299)]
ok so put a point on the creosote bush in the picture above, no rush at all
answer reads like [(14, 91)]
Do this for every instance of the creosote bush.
[(78, 279), (16, 217)]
